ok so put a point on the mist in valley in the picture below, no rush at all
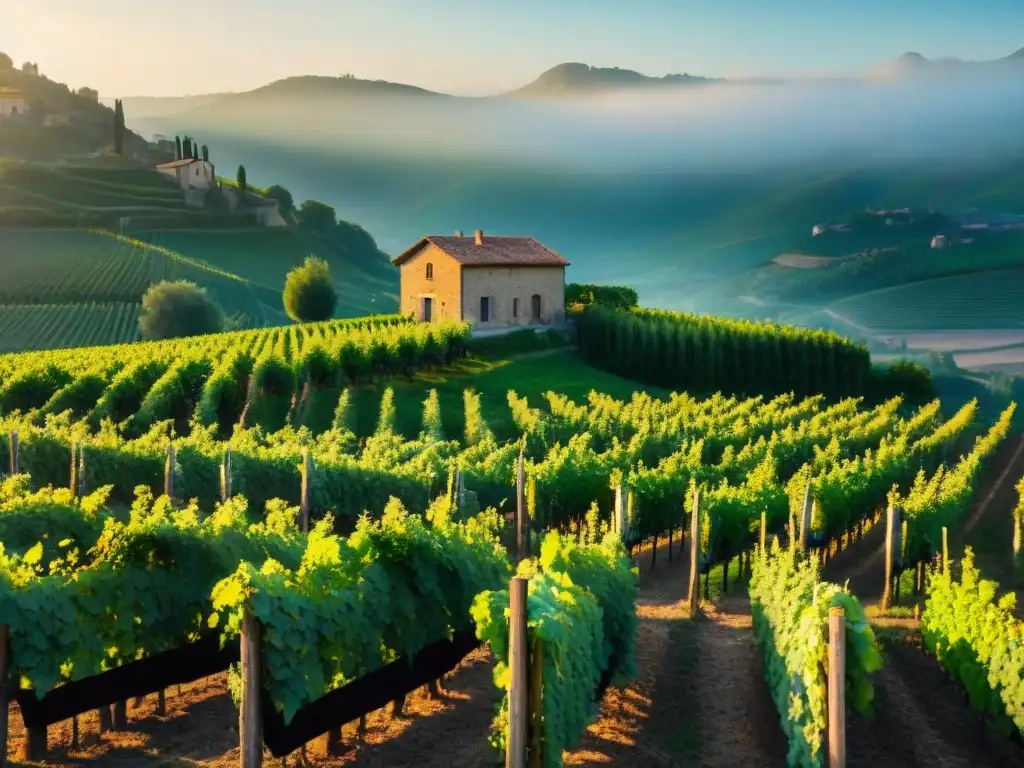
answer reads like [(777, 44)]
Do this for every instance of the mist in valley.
[(664, 189)]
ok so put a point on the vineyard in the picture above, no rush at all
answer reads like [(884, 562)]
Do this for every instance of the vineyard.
[(38, 326), (977, 300), (225, 475)]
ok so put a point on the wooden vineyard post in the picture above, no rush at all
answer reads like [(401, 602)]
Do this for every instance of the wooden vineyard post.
[(892, 549), (536, 705), (250, 718), (462, 492), (694, 593), (519, 663), (764, 530), (805, 517), (73, 473), (1017, 536), (945, 550), (621, 523), (307, 471), (836, 688), (14, 449), (104, 717), (4, 674), (522, 544), (119, 716), (225, 476), (80, 489), (169, 472)]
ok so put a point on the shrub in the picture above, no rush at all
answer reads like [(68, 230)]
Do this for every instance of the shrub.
[(309, 294), (286, 203), (615, 296), (172, 309)]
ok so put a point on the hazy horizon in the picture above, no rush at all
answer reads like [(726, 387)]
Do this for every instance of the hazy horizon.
[(379, 39)]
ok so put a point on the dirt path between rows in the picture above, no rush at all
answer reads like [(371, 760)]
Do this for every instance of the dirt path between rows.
[(699, 699), (922, 717)]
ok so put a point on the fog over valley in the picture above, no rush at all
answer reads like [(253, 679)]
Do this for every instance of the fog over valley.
[(713, 178)]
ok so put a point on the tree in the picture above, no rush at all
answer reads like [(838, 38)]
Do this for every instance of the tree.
[(186, 148), (88, 93), (284, 198), (206, 154), (240, 178), (6, 62), (118, 127), (28, 68), (317, 216), (173, 309), (177, 148), (309, 294), (195, 151)]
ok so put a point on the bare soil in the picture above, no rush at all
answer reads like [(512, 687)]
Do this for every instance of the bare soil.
[(922, 717)]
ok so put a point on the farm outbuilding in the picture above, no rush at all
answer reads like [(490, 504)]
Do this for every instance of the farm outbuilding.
[(493, 282)]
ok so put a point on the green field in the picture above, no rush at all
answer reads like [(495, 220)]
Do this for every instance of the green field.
[(37, 326)]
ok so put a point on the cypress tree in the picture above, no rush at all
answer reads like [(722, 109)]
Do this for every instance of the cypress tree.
[(177, 147), (118, 127), (240, 178), (206, 154)]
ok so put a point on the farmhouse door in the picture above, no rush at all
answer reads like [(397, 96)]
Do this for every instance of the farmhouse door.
[(535, 308), (428, 309)]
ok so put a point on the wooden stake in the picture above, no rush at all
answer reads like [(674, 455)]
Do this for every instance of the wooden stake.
[(74, 734), (694, 593), (892, 526), (81, 471), (335, 738), (225, 476), (537, 705), (519, 663), (836, 688), (34, 746), (621, 521), (670, 545), (522, 546), (169, 472), (161, 702), (4, 675), (73, 474), (250, 718), (945, 550), (805, 518), (764, 530), (104, 716), (725, 575), (119, 719), (307, 470), (15, 450), (654, 552)]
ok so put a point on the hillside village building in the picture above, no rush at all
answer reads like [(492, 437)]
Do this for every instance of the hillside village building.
[(12, 103), (492, 282), (189, 173)]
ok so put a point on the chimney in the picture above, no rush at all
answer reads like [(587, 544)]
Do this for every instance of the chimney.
[(458, 233), (479, 237)]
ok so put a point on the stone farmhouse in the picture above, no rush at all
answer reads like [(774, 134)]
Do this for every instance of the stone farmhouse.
[(12, 103), (189, 173), (492, 282)]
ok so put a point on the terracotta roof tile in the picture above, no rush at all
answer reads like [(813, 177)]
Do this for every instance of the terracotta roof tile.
[(494, 252)]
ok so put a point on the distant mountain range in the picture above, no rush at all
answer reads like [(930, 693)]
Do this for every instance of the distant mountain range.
[(569, 80)]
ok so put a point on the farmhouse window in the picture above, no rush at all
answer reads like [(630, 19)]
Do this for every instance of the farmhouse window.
[(515, 307), (485, 309), (430, 271)]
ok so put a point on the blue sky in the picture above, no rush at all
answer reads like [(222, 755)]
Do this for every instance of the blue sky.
[(126, 47)]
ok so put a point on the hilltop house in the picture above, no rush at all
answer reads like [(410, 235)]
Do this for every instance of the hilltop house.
[(12, 103), (493, 282), (189, 173)]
